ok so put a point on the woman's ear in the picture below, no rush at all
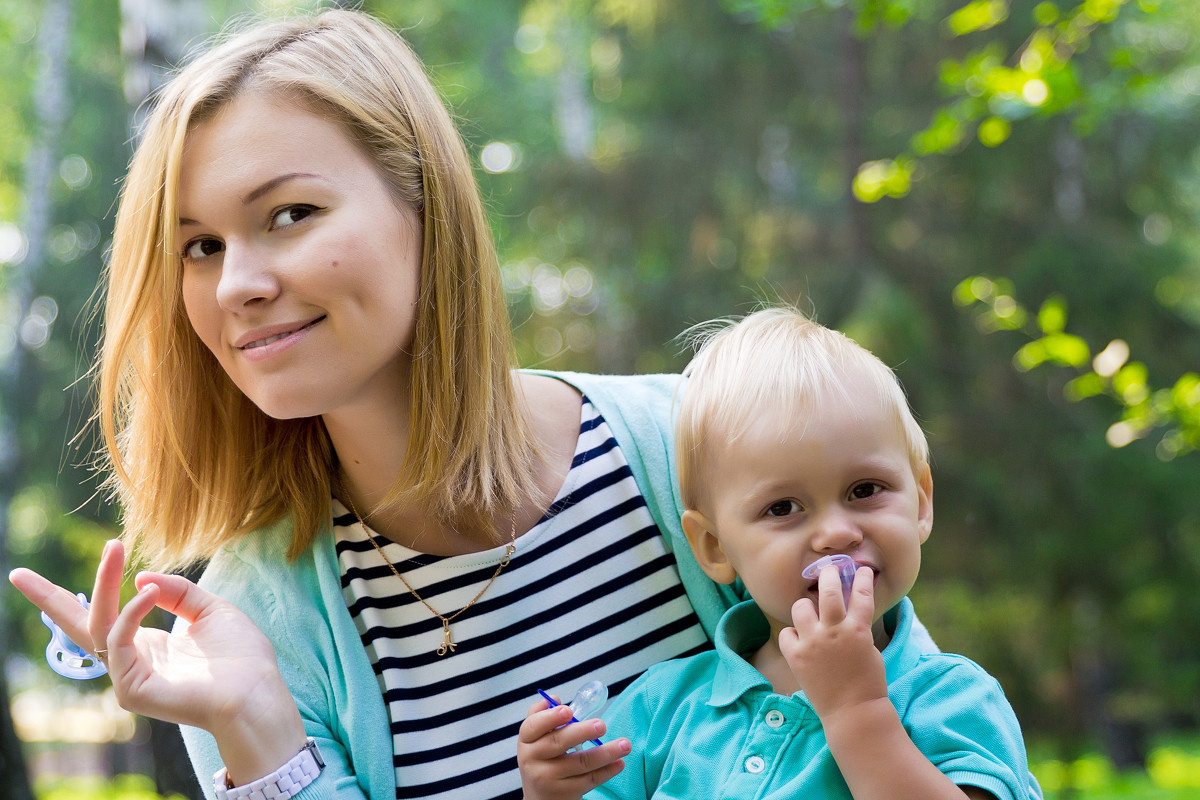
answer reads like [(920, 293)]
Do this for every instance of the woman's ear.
[(701, 535)]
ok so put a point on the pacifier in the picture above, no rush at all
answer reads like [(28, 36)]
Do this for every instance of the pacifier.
[(590, 698), (67, 658), (845, 567)]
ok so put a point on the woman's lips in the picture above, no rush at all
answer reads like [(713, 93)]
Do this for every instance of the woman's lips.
[(264, 337)]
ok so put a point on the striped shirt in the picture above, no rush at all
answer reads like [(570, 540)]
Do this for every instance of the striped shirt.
[(591, 593)]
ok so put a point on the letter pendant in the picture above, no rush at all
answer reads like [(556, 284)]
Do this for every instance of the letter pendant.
[(447, 645)]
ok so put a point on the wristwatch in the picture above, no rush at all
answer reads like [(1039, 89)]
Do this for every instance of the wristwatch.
[(285, 782)]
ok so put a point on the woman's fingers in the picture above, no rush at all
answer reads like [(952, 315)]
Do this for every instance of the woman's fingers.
[(177, 595), (106, 595), (121, 643), (59, 604)]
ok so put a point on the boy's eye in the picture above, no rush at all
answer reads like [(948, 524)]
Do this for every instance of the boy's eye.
[(864, 490), (782, 508), (201, 248), (290, 216)]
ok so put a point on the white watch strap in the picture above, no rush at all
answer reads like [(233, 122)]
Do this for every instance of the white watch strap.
[(285, 782)]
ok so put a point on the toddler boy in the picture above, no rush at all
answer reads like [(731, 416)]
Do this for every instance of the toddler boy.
[(792, 443)]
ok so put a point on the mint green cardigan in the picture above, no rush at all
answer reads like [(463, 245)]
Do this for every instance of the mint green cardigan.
[(301, 609)]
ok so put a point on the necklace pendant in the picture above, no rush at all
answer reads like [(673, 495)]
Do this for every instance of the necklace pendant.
[(447, 645)]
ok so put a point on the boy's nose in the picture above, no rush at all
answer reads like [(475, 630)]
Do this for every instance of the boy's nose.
[(835, 532)]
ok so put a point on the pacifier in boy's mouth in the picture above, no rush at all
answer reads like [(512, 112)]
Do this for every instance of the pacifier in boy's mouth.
[(67, 658), (845, 567)]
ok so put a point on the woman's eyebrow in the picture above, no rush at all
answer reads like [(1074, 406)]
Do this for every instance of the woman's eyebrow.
[(260, 190), (268, 185)]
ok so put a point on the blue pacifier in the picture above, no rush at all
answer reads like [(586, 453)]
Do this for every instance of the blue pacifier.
[(845, 567), (587, 701), (67, 658)]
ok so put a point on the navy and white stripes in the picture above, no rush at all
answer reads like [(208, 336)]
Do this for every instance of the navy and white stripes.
[(591, 593)]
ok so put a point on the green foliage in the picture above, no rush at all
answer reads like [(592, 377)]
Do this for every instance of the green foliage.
[(1172, 773), (648, 165), (1175, 409), (123, 787)]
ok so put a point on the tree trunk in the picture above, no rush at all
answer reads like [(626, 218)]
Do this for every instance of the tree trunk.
[(17, 386)]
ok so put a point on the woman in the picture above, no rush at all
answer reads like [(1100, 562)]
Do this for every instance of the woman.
[(306, 381)]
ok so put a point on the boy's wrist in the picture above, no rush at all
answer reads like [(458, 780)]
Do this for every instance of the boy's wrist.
[(853, 724)]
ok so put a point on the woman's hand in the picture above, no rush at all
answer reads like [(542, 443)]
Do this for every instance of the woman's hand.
[(548, 771), (218, 672)]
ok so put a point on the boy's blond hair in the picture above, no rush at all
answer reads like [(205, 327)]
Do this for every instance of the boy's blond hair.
[(192, 461), (777, 360)]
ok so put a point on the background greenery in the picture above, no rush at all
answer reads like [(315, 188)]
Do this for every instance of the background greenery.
[(999, 197)]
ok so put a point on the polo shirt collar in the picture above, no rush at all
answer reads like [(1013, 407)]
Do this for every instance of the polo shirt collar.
[(740, 632), (743, 629)]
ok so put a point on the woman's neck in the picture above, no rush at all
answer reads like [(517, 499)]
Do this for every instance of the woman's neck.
[(371, 443)]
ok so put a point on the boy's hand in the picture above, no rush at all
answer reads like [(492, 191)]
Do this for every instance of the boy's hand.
[(548, 771), (832, 653)]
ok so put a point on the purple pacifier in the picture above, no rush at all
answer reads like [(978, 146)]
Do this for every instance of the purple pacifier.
[(845, 567)]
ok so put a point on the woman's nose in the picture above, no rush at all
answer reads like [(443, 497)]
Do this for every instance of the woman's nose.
[(247, 278)]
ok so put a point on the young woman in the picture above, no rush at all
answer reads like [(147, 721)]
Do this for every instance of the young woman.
[(307, 382)]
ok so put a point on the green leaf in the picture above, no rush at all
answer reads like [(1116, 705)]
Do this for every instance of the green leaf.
[(977, 16), (1052, 316), (1066, 349)]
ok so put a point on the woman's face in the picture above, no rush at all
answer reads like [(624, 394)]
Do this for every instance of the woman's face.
[(300, 271)]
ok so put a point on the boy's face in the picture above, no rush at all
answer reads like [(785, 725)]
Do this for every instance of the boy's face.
[(792, 490)]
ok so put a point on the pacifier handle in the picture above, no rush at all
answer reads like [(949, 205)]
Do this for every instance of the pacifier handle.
[(845, 567), (67, 658), (587, 701)]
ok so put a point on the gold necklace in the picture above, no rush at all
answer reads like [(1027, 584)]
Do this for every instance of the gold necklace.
[(447, 645)]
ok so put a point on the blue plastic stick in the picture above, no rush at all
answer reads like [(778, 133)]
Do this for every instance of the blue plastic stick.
[(554, 703)]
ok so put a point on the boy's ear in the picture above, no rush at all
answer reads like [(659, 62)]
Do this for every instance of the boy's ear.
[(701, 535), (925, 502)]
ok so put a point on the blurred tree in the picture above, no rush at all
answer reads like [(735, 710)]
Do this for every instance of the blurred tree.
[(653, 164), (29, 320), (732, 150)]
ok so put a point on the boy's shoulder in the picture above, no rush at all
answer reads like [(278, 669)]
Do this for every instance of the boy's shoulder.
[(674, 682)]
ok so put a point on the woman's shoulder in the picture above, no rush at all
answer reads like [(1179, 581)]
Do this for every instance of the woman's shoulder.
[(636, 403), (618, 387), (254, 573)]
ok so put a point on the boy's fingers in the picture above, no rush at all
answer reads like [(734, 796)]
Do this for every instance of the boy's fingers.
[(829, 594), (862, 594), (543, 721)]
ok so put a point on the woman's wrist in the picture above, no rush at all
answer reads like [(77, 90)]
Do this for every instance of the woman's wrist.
[(286, 782), (263, 736)]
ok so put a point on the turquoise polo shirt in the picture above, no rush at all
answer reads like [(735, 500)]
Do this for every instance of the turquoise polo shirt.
[(710, 726)]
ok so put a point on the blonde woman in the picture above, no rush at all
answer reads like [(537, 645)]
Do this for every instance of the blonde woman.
[(306, 382)]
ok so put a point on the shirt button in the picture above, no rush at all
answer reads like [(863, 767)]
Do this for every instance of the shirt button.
[(774, 718), (755, 764)]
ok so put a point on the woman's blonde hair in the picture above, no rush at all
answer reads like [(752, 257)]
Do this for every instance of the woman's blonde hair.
[(776, 360), (191, 460)]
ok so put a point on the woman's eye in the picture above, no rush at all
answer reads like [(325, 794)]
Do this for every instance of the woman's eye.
[(783, 508), (201, 248), (290, 216), (864, 490)]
